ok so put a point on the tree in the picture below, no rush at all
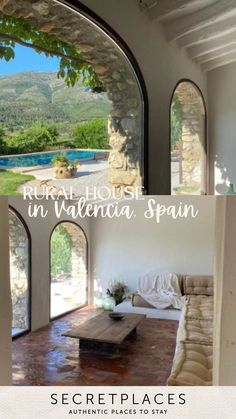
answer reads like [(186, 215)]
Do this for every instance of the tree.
[(72, 65), (2, 140), (93, 134), (36, 138), (53, 131), (1, 132), (61, 246)]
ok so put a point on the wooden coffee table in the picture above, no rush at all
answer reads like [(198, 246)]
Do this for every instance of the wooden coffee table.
[(103, 334)]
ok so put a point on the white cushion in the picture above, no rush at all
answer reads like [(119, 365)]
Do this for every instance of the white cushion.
[(154, 313)]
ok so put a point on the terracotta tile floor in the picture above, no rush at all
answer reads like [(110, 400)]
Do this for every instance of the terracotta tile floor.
[(47, 358)]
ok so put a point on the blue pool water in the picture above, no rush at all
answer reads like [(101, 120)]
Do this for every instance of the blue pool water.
[(43, 159)]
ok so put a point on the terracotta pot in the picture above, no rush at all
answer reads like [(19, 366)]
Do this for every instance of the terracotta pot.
[(73, 172), (62, 172)]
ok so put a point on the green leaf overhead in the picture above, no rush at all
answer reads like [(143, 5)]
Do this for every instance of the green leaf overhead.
[(72, 66)]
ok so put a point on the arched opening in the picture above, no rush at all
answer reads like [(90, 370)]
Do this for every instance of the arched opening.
[(118, 73), (19, 247), (188, 140), (68, 269)]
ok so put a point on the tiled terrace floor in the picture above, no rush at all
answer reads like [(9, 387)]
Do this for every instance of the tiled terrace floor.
[(47, 358)]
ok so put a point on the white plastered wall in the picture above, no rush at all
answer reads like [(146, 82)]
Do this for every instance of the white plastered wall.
[(222, 126), (163, 65), (126, 249), (225, 282)]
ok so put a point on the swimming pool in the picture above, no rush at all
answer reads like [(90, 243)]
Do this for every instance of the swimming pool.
[(43, 159)]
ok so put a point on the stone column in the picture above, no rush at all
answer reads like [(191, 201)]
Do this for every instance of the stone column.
[(5, 298), (191, 152), (193, 136), (19, 261), (125, 156), (78, 258)]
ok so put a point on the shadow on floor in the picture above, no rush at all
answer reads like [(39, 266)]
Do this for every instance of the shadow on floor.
[(47, 358)]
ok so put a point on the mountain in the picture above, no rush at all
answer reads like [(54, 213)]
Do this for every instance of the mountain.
[(29, 97)]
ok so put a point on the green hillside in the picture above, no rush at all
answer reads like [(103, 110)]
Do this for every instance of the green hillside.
[(26, 98)]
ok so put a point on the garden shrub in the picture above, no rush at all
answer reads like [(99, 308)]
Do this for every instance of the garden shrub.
[(36, 138), (61, 248), (2, 141), (93, 134)]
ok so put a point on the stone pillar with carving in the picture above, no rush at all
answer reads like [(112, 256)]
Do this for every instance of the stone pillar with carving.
[(124, 158)]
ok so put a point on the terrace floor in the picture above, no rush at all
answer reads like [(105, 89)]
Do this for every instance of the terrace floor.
[(47, 358), (90, 173)]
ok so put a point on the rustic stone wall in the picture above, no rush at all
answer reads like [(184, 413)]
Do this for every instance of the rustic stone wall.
[(78, 275), (19, 271), (125, 124), (79, 251), (193, 136)]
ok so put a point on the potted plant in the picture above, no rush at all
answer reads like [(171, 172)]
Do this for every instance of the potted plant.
[(61, 164), (118, 291), (60, 161), (72, 167)]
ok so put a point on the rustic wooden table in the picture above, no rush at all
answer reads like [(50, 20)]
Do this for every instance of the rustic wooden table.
[(103, 334)]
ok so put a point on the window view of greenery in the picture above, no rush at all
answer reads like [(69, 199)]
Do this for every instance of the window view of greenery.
[(61, 247), (68, 269), (188, 155), (39, 112), (50, 99)]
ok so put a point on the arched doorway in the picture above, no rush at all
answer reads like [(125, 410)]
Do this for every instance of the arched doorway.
[(19, 247), (68, 269), (188, 140), (117, 70)]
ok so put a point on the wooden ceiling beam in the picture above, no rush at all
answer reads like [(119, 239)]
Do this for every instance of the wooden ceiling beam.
[(216, 54), (219, 62), (219, 29), (165, 8), (204, 17), (212, 45)]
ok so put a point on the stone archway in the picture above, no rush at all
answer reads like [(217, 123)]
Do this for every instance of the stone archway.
[(114, 70), (192, 142)]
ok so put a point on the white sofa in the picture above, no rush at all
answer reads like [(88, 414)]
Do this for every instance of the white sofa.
[(136, 304), (153, 313), (192, 364)]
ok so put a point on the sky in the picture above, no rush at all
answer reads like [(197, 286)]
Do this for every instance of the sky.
[(26, 59)]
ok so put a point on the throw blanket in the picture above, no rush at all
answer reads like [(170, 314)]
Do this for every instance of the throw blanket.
[(161, 291)]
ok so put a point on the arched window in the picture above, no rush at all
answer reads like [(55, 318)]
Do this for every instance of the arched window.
[(188, 140), (68, 255), (117, 125), (19, 241)]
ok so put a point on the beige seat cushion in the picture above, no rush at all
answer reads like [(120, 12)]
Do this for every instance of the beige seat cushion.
[(195, 331), (198, 307), (192, 366), (198, 285), (138, 301)]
